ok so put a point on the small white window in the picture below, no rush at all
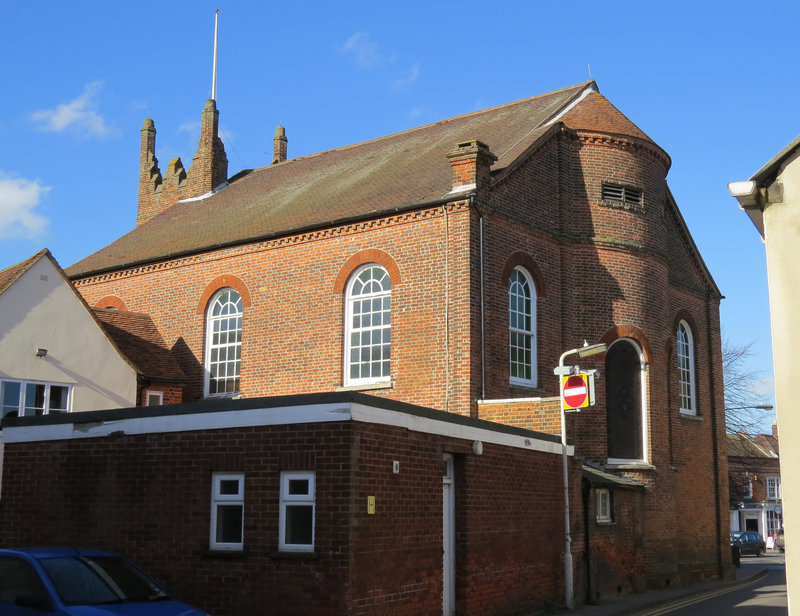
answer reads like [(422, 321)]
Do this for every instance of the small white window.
[(773, 488), (604, 506), (227, 511), (154, 398), (747, 486), (686, 377), (25, 398), (297, 512)]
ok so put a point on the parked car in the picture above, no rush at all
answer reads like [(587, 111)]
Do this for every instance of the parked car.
[(748, 542), (780, 542), (70, 582)]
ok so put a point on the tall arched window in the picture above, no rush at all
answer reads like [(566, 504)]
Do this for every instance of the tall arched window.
[(625, 395), (522, 328), (223, 344), (686, 375), (368, 326)]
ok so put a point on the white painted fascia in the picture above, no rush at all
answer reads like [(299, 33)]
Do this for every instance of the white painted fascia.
[(303, 414)]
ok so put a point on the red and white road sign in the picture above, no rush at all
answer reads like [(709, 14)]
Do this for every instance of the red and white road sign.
[(575, 391)]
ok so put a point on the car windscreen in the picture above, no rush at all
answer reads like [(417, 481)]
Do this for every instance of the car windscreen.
[(81, 580)]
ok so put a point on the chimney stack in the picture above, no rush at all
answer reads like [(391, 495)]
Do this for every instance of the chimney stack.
[(210, 164), (279, 145), (471, 163), (149, 173)]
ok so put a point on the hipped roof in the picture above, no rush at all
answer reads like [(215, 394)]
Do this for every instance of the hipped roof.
[(393, 173)]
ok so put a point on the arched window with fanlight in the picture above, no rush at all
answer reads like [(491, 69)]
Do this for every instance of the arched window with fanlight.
[(223, 360), (686, 372), (522, 328), (368, 326)]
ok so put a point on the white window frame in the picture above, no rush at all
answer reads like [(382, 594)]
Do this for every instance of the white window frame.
[(644, 435), (747, 486), (604, 513), (523, 291), (215, 322), (288, 500), (157, 395), (380, 334), (221, 499), (23, 402), (773, 487), (686, 369)]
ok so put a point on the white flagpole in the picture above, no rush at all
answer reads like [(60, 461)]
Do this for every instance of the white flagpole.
[(214, 71)]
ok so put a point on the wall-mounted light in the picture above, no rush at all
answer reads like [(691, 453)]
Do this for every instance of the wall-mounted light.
[(41, 353), (477, 448)]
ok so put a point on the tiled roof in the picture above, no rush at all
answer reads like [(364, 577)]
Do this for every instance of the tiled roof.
[(372, 178), (136, 337), (742, 444)]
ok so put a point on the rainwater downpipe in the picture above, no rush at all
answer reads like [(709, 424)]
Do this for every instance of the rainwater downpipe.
[(483, 305), (446, 309)]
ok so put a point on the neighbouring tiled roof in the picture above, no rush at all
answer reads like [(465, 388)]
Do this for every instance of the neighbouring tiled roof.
[(601, 478), (136, 337), (372, 178), (743, 445), (11, 274)]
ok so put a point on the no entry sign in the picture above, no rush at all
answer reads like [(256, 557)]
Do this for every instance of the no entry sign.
[(575, 391)]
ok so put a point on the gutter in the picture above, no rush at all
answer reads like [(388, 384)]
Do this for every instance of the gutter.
[(449, 198)]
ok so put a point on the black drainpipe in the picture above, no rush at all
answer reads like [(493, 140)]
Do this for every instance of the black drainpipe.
[(714, 437)]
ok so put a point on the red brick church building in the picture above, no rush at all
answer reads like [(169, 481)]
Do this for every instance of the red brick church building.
[(448, 267)]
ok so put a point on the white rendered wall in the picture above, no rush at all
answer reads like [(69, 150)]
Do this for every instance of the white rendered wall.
[(40, 310)]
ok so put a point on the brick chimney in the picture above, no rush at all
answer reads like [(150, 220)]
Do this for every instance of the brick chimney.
[(279, 145), (471, 162), (210, 164), (149, 173)]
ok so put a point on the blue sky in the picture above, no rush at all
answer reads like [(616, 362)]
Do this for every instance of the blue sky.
[(715, 84)]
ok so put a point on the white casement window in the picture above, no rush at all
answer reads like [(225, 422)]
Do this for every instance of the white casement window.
[(605, 512), (223, 344), (686, 372), (368, 326), (747, 486), (773, 488), (297, 512), (227, 511), (522, 328), (27, 398), (154, 398)]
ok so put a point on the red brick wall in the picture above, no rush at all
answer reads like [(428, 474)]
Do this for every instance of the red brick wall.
[(148, 497), (603, 271)]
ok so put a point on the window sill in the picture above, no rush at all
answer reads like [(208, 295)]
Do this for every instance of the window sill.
[(605, 522), (294, 555), (630, 466), (367, 386), (526, 386), (690, 416)]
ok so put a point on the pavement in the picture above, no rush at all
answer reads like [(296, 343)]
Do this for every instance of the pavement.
[(642, 603)]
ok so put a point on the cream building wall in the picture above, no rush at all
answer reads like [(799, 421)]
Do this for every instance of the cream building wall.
[(40, 310), (772, 200)]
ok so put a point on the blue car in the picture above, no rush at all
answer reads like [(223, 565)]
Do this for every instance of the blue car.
[(69, 582)]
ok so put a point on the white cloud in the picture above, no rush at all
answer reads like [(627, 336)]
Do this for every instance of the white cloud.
[(407, 79), (19, 199), (366, 52), (79, 115)]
